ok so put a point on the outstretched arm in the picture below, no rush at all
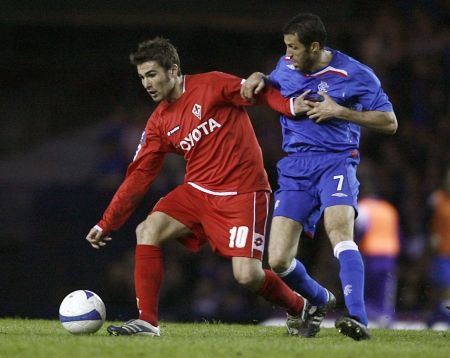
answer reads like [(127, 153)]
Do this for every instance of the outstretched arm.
[(140, 174), (127, 197), (257, 88), (253, 85)]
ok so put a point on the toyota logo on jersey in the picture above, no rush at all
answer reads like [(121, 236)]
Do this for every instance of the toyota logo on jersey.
[(196, 134)]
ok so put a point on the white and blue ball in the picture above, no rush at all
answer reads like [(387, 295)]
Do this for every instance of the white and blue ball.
[(81, 312)]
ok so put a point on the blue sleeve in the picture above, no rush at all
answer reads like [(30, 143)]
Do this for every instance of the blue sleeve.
[(274, 76), (369, 92)]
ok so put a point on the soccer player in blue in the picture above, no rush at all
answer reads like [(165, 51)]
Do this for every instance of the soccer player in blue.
[(318, 175)]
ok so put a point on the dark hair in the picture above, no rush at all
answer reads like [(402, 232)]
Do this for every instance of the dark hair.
[(159, 50), (308, 27)]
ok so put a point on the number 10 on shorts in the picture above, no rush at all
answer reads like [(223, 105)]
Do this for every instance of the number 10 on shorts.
[(238, 236)]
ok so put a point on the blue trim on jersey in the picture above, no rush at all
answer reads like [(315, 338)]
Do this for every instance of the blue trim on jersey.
[(350, 83)]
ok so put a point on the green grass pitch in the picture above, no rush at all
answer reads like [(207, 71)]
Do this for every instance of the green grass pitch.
[(47, 338)]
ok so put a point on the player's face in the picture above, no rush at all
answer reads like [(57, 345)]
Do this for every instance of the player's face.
[(303, 58), (158, 82)]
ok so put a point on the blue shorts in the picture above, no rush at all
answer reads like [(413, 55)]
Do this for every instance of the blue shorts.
[(310, 182)]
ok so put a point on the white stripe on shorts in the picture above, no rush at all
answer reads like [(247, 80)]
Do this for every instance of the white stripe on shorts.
[(207, 191)]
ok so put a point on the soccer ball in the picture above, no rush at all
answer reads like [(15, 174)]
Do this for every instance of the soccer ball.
[(82, 311)]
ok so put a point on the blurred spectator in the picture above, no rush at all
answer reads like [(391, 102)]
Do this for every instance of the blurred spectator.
[(111, 157), (377, 230), (440, 244)]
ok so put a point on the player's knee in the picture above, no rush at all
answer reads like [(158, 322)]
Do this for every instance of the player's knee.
[(248, 280), (339, 236), (279, 263), (146, 234), (141, 233)]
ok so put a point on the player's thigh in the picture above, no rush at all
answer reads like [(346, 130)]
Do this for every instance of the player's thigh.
[(299, 205), (159, 227), (339, 189), (338, 184), (283, 242), (339, 223), (172, 217), (235, 225)]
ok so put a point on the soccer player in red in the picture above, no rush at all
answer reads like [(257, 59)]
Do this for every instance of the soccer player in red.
[(225, 195)]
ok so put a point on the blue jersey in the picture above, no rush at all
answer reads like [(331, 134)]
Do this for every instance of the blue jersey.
[(350, 83)]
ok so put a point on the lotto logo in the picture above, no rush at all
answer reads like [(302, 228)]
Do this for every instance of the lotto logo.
[(259, 241)]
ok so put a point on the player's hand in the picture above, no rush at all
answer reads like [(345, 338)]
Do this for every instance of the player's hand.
[(301, 106), (253, 85), (97, 238), (321, 111)]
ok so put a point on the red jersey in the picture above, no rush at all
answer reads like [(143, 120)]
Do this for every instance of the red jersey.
[(210, 127)]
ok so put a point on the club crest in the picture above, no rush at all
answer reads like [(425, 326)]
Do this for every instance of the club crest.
[(197, 111)]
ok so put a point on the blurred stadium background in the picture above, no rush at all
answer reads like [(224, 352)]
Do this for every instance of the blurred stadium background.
[(72, 110)]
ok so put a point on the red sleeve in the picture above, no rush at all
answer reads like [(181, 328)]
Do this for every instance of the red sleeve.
[(271, 97), (140, 174), (231, 88)]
